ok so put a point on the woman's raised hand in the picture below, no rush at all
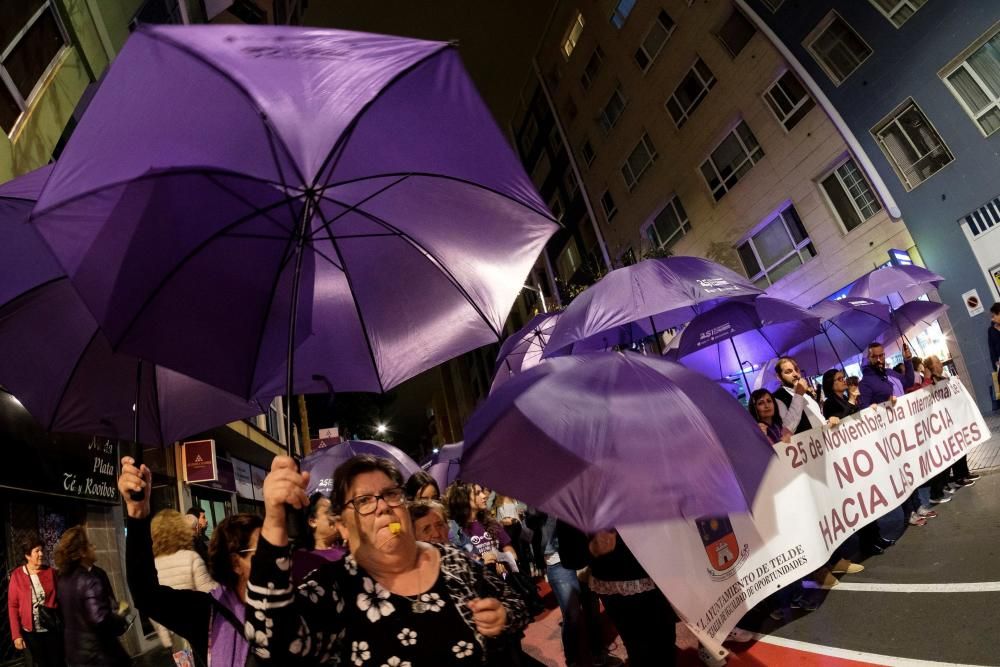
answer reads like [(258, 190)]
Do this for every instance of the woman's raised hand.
[(131, 479)]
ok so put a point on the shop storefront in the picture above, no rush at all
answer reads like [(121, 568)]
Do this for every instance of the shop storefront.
[(51, 482)]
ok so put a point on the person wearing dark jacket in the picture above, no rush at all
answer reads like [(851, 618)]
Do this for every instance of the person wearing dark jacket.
[(796, 404), (213, 622), (90, 611), (642, 614), (879, 384), (841, 398)]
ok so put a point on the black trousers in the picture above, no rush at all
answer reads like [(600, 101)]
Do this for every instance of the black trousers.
[(46, 648), (646, 623), (960, 470)]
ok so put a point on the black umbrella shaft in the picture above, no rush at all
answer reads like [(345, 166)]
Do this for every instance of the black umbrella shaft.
[(137, 495), (292, 316)]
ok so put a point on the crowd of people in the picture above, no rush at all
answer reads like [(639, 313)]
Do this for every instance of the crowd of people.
[(797, 406), (394, 572)]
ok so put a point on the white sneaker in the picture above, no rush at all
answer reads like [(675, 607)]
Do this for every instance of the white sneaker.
[(709, 659), (740, 636)]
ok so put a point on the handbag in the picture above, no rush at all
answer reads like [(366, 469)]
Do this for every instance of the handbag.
[(49, 618)]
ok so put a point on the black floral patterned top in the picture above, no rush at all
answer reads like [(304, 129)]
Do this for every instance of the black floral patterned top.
[(340, 615)]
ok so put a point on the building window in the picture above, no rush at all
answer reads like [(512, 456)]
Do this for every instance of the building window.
[(529, 133), (556, 206), (30, 40), (570, 183), (731, 160), (587, 151), (898, 11), (837, 48), (555, 141), (789, 100), (669, 225), (612, 111), (592, 67), (540, 173), (913, 147), (568, 261), (984, 218), (654, 40), (777, 249), (773, 5), (690, 92), (638, 161), (736, 32), (573, 33), (570, 108), (850, 194), (622, 10), (976, 84), (608, 206)]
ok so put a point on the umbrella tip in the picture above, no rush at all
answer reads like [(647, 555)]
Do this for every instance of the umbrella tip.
[(453, 42)]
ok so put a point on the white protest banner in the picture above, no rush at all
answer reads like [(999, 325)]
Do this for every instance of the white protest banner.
[(821, 488)]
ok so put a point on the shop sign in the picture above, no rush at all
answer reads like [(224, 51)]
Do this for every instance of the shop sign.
[(226, 480), (199, 461), (244, 482)]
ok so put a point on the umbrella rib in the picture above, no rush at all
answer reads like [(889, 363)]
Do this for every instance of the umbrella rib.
[(341, 143), (289, 243), (149, 175), (249, 204), (354, 300), (264, 117), (427, 174), (354, 207), (29, 292), (438, 264), (183, 261), (69, 378)]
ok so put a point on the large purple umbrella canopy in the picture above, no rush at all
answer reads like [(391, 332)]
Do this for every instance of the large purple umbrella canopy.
[(355, 179), (722, 341), (606, 439), (907, 281), (849, 325), (912, 318), (62, 368), (523, 349), (322, 464), (446, 465), (655, 294)]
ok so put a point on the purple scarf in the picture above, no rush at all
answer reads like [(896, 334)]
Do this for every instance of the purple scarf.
[(226, 643)]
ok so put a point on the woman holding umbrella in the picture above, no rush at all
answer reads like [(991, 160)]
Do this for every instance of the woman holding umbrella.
[(392, 600), (212, 622)]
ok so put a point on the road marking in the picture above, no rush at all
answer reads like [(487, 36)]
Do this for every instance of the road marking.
[(859, 656), (971, 587)]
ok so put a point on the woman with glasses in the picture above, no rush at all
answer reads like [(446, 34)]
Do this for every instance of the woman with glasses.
[(841, 397), (212, 622), (391, 601)]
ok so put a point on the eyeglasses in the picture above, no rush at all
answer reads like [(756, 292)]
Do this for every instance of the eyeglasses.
[(367, 504)]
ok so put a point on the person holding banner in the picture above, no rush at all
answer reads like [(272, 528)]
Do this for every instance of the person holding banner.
[(958, 473), (797, 404)]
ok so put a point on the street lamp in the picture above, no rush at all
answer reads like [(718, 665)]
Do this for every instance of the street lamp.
[(381, 428)]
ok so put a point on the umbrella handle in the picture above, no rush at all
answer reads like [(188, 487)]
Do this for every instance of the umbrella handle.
[(141, 493)]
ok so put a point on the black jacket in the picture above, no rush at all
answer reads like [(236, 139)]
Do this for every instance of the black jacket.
[(839, 407), (92, 626)]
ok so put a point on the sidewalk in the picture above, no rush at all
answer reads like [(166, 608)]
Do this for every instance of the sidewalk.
[(987, 455)]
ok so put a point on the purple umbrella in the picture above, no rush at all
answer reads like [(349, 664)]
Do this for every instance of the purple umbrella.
[(658, 294), (446, 464), (604, 451), (291, 208), (322, 464), (63, 369), (719, 342), (907, 281), (849, 324), (523, 349), (912, 317)]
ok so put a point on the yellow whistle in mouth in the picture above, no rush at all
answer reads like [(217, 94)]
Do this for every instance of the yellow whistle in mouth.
[(395, 527)]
